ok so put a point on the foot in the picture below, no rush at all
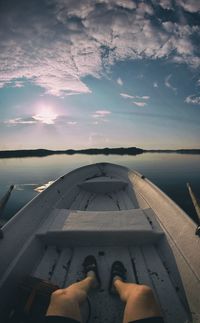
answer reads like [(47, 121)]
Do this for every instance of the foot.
[(90, 269), (118, 271)]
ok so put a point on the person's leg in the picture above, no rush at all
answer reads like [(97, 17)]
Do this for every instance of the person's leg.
[(66, 302), (139, 301)]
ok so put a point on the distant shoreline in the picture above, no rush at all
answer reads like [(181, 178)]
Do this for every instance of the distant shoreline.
[(91, 151)]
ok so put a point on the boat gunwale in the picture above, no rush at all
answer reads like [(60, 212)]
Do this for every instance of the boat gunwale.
[(168, 198)]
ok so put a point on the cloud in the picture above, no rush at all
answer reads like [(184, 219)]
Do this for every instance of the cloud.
[(17, 121), (47, 118), (19, 84), (58, 43), (128, 96), (11, 83), (100, 116), (119, 81), (128, 4), (101, 113), (188, 5), (166, 4), (191, 6), (144, 97), (193, 99), (72, 123), (168, 84), (139, 104)]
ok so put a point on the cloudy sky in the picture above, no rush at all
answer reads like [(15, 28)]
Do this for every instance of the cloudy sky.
[(96, 73)]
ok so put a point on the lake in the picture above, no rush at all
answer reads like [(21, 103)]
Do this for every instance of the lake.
[(169, 171)]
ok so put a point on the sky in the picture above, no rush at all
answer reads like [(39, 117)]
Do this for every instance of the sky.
[(99, 73)]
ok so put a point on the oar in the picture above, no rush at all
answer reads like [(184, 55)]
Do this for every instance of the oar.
[(196, 204), (5, 199)]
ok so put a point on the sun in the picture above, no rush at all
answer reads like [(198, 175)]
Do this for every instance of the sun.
[(46, 115)]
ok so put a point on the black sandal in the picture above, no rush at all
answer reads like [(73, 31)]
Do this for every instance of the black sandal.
[(119, 270), (90, 264)]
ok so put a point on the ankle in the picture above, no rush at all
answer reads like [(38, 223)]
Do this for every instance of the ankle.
[(91, 276), (116, 280)]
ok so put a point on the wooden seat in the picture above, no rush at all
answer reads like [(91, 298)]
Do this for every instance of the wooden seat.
[(79, 228), (103, 184)]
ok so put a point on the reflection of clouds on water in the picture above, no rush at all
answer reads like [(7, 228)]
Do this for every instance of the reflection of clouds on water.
[(41, 188), (22, 187)]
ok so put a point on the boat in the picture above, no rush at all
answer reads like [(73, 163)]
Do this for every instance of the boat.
[(113, 213)]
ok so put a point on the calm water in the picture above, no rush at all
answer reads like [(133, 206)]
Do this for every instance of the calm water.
[(170, 172)]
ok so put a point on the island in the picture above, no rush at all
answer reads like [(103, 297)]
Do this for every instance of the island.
[(90, 151)]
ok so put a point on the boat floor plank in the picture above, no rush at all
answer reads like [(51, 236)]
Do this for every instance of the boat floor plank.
[(62, 267), (102, 202), (172, 308), (79, 199), (139, 264), (127, 201), (47, 265), (119, 201), (84, 202)]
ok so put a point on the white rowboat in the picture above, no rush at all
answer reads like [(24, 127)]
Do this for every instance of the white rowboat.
[(115, 214)]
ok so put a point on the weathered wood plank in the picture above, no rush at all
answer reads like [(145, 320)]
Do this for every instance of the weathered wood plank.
[(47, 265), (84, 201), (140, 266), (120, 200), (102, 202), (127, 201), (62, 267), (75, 274), (172, 308), (77, 200)]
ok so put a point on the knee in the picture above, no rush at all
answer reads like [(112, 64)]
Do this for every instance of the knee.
[(145, 290), (65, 295), (64, 303), (142, 293), (72, 294)]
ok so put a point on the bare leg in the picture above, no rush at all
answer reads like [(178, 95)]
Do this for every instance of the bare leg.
[(66, 302), (139, 300)]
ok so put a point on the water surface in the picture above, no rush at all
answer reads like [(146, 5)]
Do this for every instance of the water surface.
[(170, 172)]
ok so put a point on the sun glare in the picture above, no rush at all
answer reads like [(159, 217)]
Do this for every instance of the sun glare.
[(46, 115)]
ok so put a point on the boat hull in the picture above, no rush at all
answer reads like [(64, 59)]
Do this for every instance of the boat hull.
[(111, 210)]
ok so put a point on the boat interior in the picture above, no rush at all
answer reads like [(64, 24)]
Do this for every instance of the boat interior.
[(103, 215)]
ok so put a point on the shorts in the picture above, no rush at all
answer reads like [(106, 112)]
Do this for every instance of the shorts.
[(59, 319)]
